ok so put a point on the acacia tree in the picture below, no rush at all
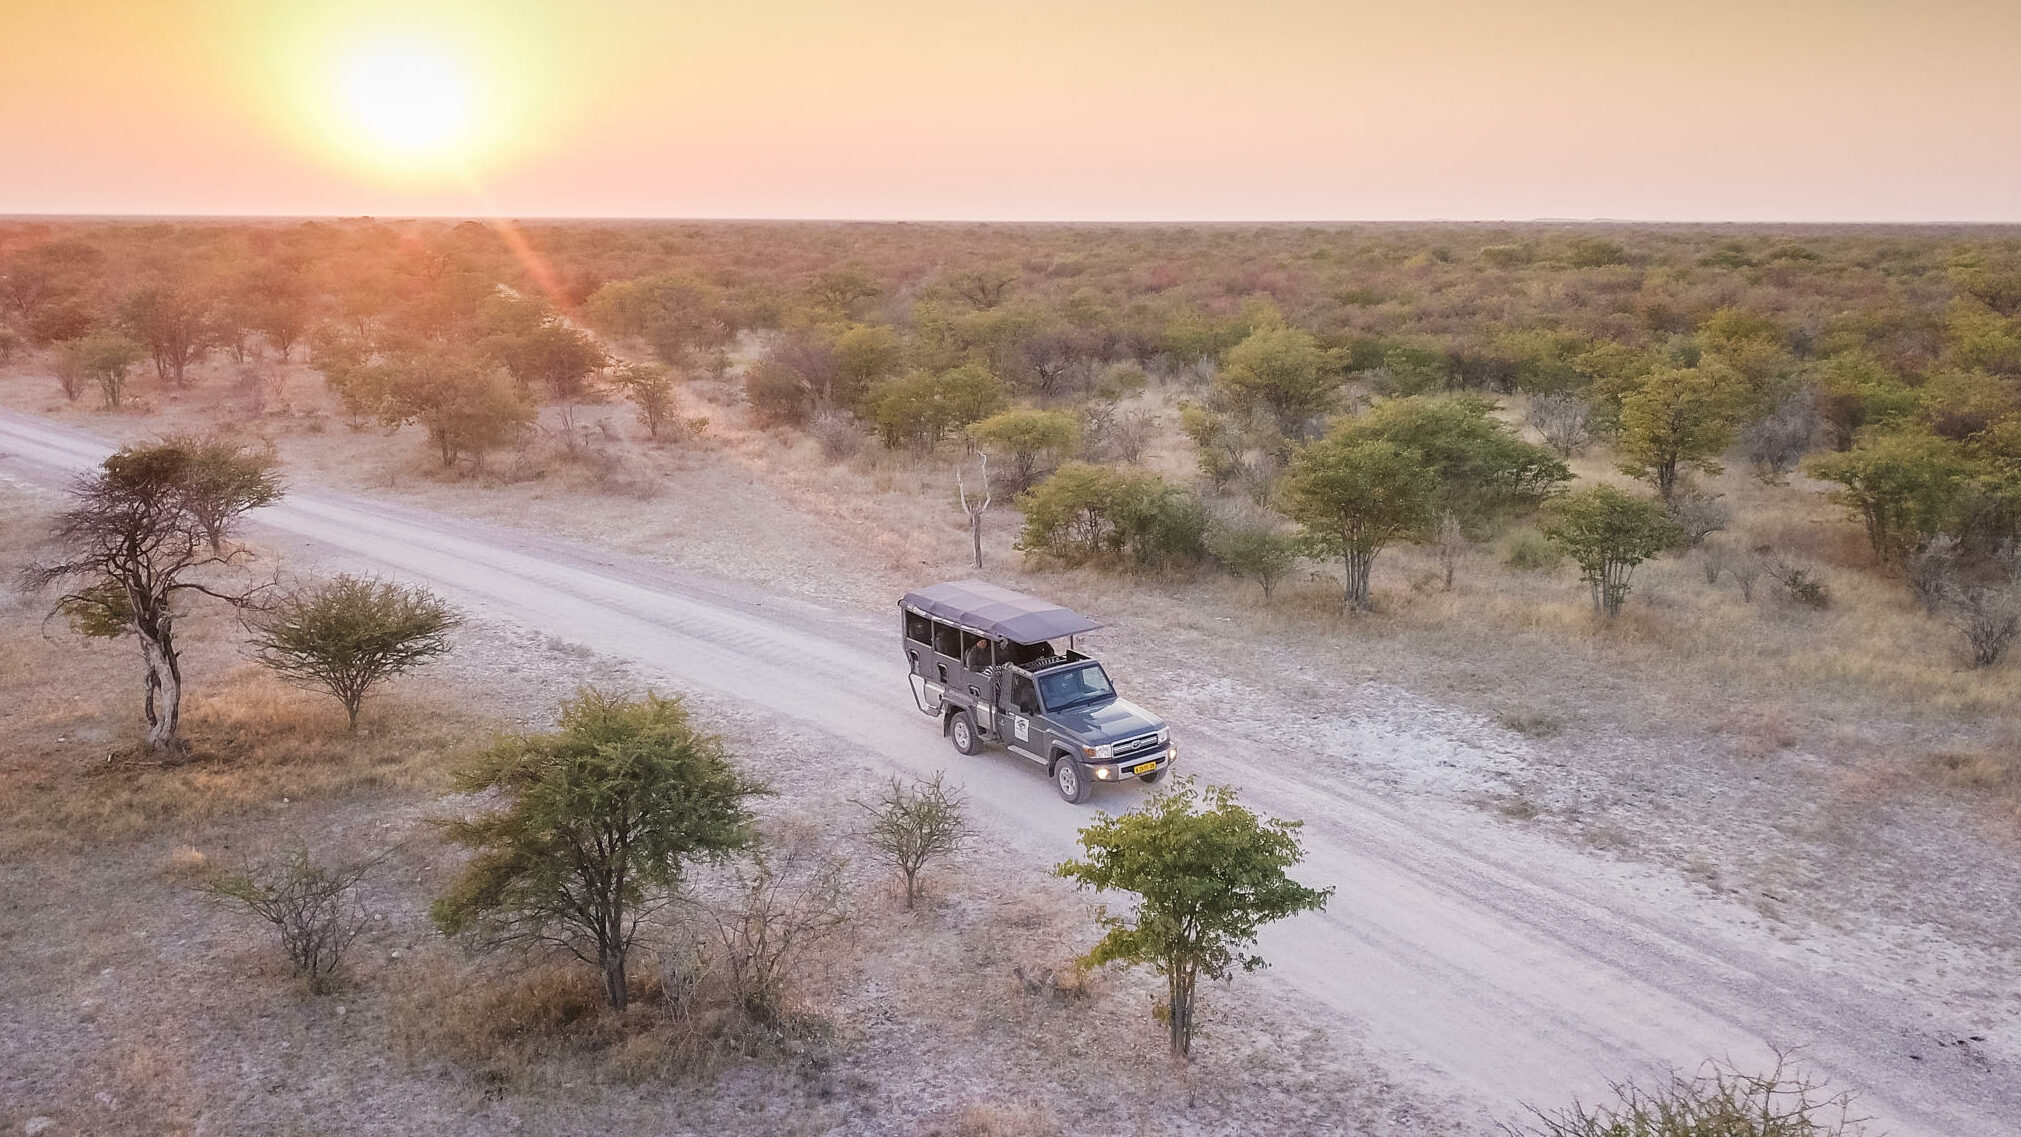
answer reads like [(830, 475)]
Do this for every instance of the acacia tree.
[(1676, 419), (650, 387), (1355, 497), (1030, 442), (1608, 533), (173, 321), (131, 548), (465, 408), (351, 634), (1901, 484), (225, 481), (598, 822), (1208, 873)]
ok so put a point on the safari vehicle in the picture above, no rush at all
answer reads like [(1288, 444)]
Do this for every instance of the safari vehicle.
[(990, 663)]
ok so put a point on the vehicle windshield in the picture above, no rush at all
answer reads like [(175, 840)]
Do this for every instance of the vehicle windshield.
[(1075, 687)]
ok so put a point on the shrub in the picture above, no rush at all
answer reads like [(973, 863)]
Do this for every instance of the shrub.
[(650, 387), (1900, 484), (1531, 551), (310, 905), (1086, 511), (1800, 583), (350, 635), (1254, 552), (1989, 615), (919, 409), (780, 905), (1481, 465), (777, 395), (103, 359), (1282, 373), (1719, 1101), (1777, 443), (913, 826), (1608, 533), (1563, 419)]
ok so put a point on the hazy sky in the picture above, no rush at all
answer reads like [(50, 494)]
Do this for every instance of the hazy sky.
[(1186, 109)]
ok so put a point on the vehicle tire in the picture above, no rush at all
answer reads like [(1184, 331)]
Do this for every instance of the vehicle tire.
[(1072, 780), (1153, 778), (961, 728)]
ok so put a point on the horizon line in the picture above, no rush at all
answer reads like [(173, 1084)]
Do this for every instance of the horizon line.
[(12, 218)]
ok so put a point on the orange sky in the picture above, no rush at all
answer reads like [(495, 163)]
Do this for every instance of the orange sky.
[(1186, 109)]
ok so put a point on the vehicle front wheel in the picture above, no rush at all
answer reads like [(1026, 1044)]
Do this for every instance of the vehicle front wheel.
[(1151, 779), (962, 730), (1072, 779)]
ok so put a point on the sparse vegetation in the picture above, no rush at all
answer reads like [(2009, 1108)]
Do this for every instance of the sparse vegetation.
[(1718, 1099)]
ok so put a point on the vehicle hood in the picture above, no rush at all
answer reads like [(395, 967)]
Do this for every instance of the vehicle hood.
[(1112, 721)]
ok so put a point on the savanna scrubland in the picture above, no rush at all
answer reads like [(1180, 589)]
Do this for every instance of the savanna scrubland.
[(1331, 459)]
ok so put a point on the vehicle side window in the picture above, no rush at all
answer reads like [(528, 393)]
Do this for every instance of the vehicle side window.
[(1024, 696), (947, 639), (918, 628)]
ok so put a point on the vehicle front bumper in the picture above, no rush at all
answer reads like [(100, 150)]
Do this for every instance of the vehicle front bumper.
[(1134, 767)]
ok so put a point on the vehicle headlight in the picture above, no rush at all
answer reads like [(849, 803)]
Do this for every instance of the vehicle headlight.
[(1101, 753), (1164, 733)]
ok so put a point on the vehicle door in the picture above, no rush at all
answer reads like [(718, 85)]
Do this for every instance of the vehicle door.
[(1020, 722)]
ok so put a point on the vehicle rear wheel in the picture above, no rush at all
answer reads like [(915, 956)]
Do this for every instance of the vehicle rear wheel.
[(961, 728), (1072, 779), (1151, 779)]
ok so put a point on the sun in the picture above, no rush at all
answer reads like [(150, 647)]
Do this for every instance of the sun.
[(409, 104)]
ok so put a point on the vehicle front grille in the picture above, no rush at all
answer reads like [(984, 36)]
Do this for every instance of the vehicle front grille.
[(1139, 745)]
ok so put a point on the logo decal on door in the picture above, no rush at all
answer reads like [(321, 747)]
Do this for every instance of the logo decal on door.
[(1022, 727)]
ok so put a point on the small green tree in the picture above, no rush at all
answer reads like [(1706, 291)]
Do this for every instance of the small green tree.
[(650, 387), (598, 822), (1354, 497), (1285, 374), (1677, 419), (1208, 873), (349, 635), (1254, 552), (1901, 484), (1028, 443), (1608, 533), (913, 826)]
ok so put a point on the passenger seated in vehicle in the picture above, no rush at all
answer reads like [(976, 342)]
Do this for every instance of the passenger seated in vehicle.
[(979, 657)]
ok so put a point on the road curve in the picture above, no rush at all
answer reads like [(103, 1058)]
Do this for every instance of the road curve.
[(1502, 966)]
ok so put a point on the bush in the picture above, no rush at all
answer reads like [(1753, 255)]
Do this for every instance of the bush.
[(920, 408), (1719, 1101), (310, 905), (1989, 615), (1254, 552), (1085, 511), (1531, 551), (780, 904), (777, 395), (1563, 419), (1800, 584)]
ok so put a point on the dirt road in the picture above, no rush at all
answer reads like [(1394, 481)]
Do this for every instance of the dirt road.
[(1507, 968)]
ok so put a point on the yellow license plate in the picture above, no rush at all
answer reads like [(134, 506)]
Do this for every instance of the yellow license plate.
[(1145, 768)]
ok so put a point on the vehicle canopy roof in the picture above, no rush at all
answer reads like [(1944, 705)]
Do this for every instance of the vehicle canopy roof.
[(997, 612)]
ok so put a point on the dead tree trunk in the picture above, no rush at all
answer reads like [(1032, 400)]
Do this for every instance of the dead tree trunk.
[(975, 512)]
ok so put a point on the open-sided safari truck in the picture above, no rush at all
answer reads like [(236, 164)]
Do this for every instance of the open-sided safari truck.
[(999, 667)]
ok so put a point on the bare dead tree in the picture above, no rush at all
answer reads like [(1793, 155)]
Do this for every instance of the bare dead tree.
[(131, 548), (782, 904), (974, 511)]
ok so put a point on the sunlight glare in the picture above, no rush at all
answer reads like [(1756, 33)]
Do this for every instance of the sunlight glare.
[(410, 101)]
